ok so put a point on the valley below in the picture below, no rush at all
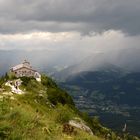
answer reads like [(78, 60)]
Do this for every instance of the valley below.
[(111, 96)]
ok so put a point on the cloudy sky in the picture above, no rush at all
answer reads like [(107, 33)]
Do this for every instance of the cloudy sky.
[(76, 26)]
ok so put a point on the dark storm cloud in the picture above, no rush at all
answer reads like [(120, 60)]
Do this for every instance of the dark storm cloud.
[(84, 16)]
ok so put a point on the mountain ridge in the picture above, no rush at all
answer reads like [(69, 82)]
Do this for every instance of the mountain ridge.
[(45, 111)]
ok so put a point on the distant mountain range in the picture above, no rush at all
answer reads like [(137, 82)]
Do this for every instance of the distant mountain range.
[(122, 61), (121, 89), (109, 91), (70, 62)]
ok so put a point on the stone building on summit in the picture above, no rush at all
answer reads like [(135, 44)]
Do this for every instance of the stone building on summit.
[(25, 69)]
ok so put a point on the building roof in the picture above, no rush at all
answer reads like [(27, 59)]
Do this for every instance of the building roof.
[(23, 65), (17, 67)]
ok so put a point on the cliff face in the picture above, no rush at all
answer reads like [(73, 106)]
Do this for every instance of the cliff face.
[(44, 111)]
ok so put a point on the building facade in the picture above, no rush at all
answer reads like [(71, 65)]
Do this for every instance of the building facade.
[(24, 69)]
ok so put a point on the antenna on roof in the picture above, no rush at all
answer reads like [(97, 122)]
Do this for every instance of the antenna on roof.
[(25, 62)]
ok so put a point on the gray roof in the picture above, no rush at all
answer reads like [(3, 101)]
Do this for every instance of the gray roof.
[(23, 65)]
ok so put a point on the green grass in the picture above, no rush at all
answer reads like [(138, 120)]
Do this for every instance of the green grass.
[(40, 114), (26, 119)]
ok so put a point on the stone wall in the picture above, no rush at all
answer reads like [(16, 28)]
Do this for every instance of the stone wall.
[(24, 72)]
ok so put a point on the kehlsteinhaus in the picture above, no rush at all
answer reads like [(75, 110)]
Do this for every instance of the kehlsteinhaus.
[(25, 69)]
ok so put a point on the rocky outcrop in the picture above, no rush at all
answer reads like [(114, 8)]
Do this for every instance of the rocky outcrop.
[(81, 126), (15, 86)]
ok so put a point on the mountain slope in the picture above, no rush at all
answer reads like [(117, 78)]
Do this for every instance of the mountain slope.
[(43, 111), (121, 89)]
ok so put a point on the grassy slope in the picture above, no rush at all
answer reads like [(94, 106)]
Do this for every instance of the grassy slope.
[(33, 116), (41, 113)]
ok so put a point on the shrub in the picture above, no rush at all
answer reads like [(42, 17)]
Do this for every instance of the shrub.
[(48, 82), (26, 80), (58, 96), (63, 114)]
